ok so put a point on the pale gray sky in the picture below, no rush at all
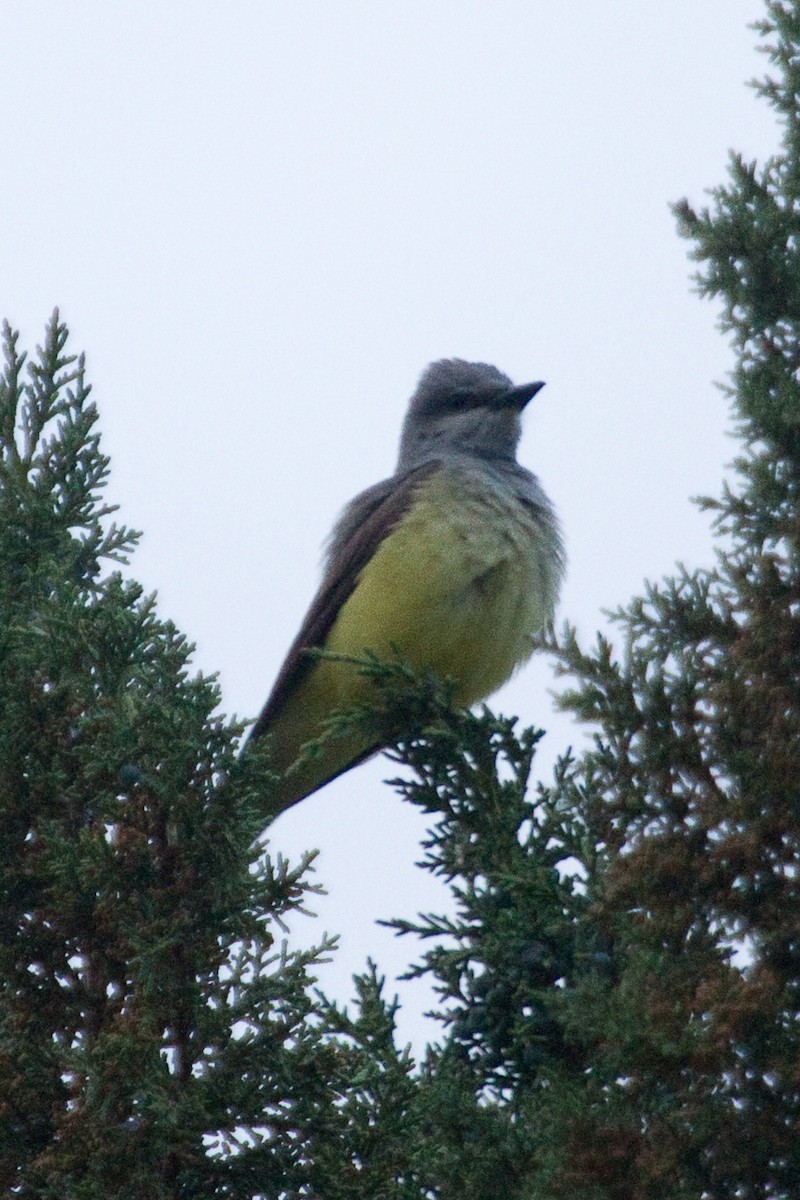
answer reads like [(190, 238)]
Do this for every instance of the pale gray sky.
[(261, 220)]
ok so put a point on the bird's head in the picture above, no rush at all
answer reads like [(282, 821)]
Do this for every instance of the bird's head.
[(464, 407)]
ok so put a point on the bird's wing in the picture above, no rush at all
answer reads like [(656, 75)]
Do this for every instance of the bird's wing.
[(382, 507)]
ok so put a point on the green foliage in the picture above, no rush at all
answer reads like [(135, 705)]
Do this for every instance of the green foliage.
[(691, 787), (147, 1011), (371, 1143)]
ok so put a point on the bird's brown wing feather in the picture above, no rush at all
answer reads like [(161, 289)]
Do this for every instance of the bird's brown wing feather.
[(384, 506)]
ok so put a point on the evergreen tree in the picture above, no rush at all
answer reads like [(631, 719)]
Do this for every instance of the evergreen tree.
[(155, 1036)]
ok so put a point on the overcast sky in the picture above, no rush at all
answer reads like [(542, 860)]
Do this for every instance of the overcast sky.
[(261, 220)]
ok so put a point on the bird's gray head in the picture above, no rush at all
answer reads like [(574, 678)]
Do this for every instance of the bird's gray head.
[(471, 408)]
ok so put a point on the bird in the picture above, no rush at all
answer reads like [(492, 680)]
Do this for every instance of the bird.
[(454, 562)]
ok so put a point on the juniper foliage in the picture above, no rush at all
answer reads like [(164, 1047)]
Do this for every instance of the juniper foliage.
[(155, 1034)]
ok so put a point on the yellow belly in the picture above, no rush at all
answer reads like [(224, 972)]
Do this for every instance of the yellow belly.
[(458, 587)]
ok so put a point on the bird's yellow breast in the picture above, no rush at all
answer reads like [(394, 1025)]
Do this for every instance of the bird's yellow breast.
[(458, 587)]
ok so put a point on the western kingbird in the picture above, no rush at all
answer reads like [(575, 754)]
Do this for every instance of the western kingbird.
[(455, 562)]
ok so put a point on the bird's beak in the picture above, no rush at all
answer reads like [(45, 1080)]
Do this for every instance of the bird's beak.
[(518, 397)]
